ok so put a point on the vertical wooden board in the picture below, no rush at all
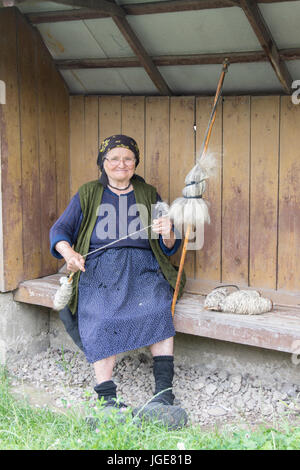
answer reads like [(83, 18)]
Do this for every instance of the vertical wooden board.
[(110, 112), (133, 124), (89, 163), (235, 207), (182, 159), (264, 191), (46, 96), (31, 201), (62, 148), (11, 177), (157, 144), (62, 144), (77, 142), (289, 197), (208, 259)]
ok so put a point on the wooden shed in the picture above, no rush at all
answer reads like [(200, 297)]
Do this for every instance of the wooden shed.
[(73, 72)]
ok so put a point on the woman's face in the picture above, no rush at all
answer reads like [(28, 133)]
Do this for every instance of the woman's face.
[(119, 164)]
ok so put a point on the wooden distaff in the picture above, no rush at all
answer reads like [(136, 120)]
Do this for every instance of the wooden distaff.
[(205, 146)]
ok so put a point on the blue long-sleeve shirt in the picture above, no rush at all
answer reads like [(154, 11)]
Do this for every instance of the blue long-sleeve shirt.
[(117, 217)]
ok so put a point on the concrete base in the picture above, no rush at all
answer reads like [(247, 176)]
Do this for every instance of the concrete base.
[(23, 328), (29, 329), (265, 364)]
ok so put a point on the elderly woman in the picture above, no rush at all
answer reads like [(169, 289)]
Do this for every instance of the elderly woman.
[(121, 295)]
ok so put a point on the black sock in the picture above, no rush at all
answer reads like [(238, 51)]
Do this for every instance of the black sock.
[(107, 390), (163, 369)]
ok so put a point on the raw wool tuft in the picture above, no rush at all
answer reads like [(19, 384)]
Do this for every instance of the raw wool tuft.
[(63, 294), (161, 209), (243, 302), (192, 209)]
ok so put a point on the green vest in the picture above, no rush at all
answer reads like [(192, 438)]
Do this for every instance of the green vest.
[(90, 199)]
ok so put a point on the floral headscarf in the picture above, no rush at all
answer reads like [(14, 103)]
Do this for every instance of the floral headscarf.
[(119, 140)]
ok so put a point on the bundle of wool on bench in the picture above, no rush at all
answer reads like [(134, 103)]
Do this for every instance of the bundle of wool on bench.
[(243, 302)]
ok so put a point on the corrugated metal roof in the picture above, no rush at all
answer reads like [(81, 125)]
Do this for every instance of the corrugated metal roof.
[(219, 30)]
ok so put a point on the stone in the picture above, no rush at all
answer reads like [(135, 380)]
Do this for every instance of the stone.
[(223, 375), (236, 387), (250, 404), (266, 409), (216, 411), (210, 389), (198, 386), (290, 390), (236, 378)]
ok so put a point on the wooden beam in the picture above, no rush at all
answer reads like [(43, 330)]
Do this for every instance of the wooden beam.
[(170, 6), (267, 42), (168, 60), (104, 6), (142, 55), (145, 8), (65, 15)]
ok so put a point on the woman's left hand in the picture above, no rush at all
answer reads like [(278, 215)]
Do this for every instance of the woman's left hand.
[(163, 226)]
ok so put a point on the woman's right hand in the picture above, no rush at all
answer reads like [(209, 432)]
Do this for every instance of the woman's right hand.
[(74, 260)]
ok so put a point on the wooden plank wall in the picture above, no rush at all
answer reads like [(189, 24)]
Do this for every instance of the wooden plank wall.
[(34, 126), (254, 235)]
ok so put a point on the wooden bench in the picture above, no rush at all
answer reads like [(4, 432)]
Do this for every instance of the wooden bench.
[(277, 330)]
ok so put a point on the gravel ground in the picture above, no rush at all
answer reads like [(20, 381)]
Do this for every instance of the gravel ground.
[(208, 396)]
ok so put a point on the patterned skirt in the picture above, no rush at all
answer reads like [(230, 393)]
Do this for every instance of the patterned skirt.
[(124, 303)]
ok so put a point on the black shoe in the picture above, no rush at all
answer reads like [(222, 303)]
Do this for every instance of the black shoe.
[(171, 416), (111, 408)]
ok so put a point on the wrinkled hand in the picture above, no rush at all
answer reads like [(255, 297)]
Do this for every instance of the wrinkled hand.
[(163, 226), (75, 262)]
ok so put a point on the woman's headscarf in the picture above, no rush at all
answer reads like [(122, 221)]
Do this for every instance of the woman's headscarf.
[(114, 141), (119, 140)]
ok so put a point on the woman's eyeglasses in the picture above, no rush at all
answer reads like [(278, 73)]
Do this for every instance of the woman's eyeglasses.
[(114, 161)]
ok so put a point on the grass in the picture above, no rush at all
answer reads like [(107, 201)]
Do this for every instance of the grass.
[(24, 427)]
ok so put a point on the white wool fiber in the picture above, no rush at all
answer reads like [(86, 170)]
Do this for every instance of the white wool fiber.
[(246, 303), (161, 209), (192, 208), (63, 294), (242, 302), (189, 211)]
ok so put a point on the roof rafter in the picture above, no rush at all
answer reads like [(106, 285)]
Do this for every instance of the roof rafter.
[(103, 6), (169, 60), (267, 42), (144, 8), (142, 55)]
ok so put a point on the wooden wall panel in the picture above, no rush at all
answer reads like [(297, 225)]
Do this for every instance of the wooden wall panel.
[(182, 158), (62, 131), (77, 142), (264, 191), (47, 153), (11, 175), (158, 144), (90, 170), (289, 198), (110, 116), (235, 208), (208, 259), (34, 124), (133, 124), (29, 125)]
